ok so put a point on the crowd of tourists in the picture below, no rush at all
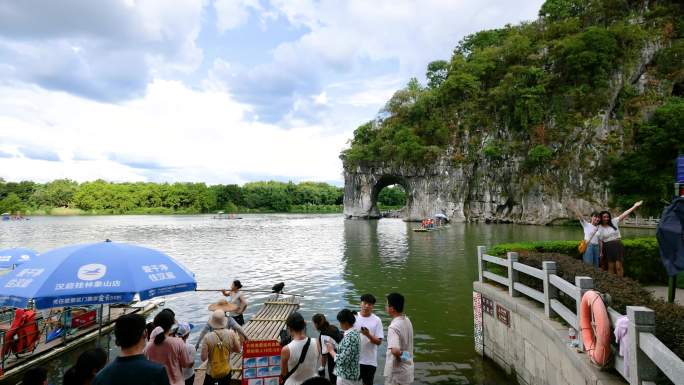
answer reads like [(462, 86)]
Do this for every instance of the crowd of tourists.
[(603, 240), (159, 353)]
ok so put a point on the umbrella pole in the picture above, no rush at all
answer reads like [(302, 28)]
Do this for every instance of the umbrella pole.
[(672, 289), (99, 326)]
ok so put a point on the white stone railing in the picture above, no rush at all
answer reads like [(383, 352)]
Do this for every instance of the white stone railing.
[(649, 222), (647, 354)]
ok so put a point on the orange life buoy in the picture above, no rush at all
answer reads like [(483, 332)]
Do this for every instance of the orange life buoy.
[(595, 327)]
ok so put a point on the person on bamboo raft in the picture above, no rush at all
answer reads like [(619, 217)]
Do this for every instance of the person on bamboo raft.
[(237, 298), (610, 241), (232, 324)]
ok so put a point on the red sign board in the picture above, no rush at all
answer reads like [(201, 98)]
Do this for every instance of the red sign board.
[(503, 315), (84, 319), (261, 362)]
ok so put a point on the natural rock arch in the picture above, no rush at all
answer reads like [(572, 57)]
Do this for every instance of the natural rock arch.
[(384, 181), (425, 193)]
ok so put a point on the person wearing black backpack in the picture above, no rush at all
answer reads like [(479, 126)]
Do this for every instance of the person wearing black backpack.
[(299, 358), (327, 333)]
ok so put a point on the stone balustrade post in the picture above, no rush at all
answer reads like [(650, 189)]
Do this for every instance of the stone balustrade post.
[(480, 263), (641, 368), (584, 284), (550, 291), (512, 273)]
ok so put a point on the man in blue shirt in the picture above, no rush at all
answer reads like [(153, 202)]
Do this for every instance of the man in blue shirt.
[(131, 367)]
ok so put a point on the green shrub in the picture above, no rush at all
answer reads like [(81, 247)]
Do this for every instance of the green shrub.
[(642, 258), (492, 151), (539, 155)]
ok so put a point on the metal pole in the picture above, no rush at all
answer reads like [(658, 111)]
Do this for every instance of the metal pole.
[(672, 289), (99, 327)]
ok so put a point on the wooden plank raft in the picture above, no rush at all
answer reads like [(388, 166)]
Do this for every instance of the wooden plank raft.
[(266, 324)]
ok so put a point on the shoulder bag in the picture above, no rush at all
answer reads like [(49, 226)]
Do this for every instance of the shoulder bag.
[(302, 357)]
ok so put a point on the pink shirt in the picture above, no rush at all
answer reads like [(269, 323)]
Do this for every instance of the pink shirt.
[(172, 354)]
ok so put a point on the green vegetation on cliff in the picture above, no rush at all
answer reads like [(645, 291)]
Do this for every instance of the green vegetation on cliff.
[(66, 197), (524, 92)]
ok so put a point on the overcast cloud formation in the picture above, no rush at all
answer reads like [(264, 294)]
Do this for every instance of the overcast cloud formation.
[(222, 91)]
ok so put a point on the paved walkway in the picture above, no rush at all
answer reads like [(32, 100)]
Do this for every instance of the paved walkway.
[(661, 292)]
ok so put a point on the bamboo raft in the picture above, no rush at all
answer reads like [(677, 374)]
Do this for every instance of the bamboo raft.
[(266, 324)]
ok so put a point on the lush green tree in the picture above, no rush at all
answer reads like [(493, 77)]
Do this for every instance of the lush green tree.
[(272, 195), (23, 189), (392, 196), (12, 204), (647, 172), (562, 9), (532, 83), (437, 72), (58, 193)]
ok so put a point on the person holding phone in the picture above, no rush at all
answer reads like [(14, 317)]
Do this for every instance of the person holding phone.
[(372, 334)]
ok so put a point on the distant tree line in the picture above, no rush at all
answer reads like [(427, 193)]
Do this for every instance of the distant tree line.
[(102, 197)]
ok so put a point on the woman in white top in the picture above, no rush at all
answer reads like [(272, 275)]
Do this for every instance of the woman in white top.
[(610, 239), (292, 352), (237, 298)]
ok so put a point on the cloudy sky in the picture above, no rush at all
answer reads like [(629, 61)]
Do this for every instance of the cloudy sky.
[(218, 91)]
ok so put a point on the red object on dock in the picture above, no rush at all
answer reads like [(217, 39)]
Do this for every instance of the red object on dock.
[(596, 336), (261, 360), (25, 330), (84, 319)]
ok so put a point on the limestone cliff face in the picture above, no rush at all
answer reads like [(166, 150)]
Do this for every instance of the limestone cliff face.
[(504, 189)]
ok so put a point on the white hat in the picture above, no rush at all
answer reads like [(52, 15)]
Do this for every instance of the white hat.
[(218, 319)]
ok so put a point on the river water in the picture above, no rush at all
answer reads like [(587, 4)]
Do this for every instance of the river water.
[(329, 260)]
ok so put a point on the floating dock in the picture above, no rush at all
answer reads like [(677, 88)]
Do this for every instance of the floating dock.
[(266, 324)]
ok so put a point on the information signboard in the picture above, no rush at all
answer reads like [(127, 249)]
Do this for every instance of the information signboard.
[(261, 362)]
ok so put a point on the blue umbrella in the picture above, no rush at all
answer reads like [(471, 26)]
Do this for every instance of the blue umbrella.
[(96, 273), (15, 257)]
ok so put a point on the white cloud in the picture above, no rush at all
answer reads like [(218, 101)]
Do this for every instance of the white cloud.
[(321, 98), (105, 50), (359, 39), (173, 133), (231, 14)]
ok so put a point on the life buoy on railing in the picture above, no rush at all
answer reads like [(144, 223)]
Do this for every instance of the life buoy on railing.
[(595, 327)]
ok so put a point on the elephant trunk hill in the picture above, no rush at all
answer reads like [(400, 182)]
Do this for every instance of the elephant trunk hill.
[(583, 104)]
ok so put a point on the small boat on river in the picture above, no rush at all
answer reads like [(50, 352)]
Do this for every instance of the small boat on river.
[(224, 216), (440, 222)]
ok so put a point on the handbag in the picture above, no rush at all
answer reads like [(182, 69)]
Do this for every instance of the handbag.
[(302, 356), (582, 247)]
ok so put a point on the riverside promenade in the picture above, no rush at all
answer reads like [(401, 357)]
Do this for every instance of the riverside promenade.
[(525, 331)]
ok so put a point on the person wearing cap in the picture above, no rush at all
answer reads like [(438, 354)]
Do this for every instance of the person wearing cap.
[(218, 322), (182, 332), (224, 306), (237, 298)]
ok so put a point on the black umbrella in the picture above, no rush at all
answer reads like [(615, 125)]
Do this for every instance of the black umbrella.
[(671, 237)]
